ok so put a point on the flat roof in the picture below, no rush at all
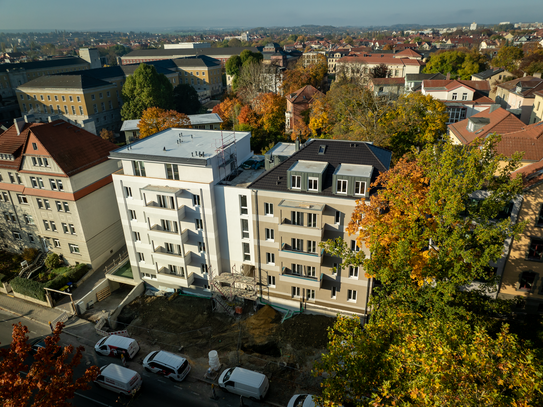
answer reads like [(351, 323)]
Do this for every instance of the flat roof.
[(206, 118), (160, 188), (244, 178), (286, 149), (185, 144), (291, 203), (354, 170), (309, 166)]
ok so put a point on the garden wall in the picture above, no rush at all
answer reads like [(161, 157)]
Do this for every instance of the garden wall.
[(90, 298), (132, 295)]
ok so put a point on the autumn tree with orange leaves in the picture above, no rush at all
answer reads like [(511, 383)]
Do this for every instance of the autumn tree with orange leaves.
[(49, 381), (300, 76), (155, 119), (432, 226)]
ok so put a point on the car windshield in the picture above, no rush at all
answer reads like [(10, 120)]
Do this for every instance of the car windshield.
[(152, 356), (228, 374)]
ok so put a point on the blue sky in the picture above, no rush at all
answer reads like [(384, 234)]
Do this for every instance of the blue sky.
[(142, 15)]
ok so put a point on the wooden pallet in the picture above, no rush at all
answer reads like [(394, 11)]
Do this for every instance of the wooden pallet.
[(103, 294)]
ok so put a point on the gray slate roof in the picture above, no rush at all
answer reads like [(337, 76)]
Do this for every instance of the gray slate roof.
[(50, 63), (488, 73), (337, 152), (65, 81)]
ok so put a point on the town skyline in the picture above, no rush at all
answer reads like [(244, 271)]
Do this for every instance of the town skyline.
[(136, 16)]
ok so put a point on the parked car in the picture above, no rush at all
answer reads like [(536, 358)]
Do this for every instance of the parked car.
[(116, 346), (175, 367), (40, 343), (119, 379), (244, 382), (301, 400)]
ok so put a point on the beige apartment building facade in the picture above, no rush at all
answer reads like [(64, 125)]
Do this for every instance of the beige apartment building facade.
[(57, 192)]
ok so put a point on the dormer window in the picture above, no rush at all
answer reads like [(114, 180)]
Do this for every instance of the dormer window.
[(296, 182), (313, 184), (306, 176), (341, 187), (359, 188), (454, 96)]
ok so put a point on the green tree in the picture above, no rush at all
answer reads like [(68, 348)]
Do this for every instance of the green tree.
[(52, 261), (185, 99), (234, 42), (348, 40), (508, 58), (459, 64), (143, 89)]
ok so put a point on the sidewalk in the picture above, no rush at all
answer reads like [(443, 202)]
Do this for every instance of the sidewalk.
[(34, 312)]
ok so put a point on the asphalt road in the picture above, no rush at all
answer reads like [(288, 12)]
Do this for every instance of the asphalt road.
[(7, 320)]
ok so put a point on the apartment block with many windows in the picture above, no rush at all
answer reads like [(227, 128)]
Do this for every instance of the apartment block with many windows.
[(306, 200), (171, 205), (56, 192)]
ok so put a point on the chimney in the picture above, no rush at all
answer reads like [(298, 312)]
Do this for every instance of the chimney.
[(448, 75), (29, 118), (297, 144), (19, 124), (493, 107)]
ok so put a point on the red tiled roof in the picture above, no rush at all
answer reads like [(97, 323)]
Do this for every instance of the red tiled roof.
[(408, 52), (450, 84), (388, 81), (308, 91), (388, 60), (531, 174), (530, 83)]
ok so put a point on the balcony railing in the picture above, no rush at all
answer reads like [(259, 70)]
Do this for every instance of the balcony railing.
[(179, 274), (163, 250), (289, 276), (288, 249), (159, 228)]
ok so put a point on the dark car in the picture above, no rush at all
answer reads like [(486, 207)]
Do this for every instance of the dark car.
[(40, 343)]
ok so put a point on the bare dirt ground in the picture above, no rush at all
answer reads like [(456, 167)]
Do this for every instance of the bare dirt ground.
[(285, 352)]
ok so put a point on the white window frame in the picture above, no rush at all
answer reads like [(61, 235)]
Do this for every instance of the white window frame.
[(268, 209), (243, 208), (296, 182), (244, 228), (74, 249), (312, 184), (354, 271), (351, 295), (344, 186), (358, 188), (296, 292), (310, 294), (246, 249), (270, 258), (269, 234), (334, 292), (271, 281)]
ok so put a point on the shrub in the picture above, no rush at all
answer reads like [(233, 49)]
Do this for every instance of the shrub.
[(53, 261), (29, 254), (2, 278), (29, 288), (65, 275)]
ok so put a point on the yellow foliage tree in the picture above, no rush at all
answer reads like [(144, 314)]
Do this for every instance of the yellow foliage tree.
[(155, 119)]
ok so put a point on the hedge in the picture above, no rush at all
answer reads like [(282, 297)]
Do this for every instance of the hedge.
[(30, 288), (35, 289), (2, 278)]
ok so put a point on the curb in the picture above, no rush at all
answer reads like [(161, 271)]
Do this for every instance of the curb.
[(24, 316), (271, 403)]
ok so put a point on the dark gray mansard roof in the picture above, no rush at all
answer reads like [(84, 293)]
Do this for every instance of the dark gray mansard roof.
[(337, 152)]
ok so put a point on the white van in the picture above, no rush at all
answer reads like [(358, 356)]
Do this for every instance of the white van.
[(244, 382), (116, 345), (119, 379), (168, 364)]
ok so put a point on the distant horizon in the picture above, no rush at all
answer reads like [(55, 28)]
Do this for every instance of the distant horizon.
[(169, 15)]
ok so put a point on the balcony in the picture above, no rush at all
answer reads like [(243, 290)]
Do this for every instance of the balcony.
[(154, 208), (161, 254), (287, 252), (182, 280), (286, 226), (299, 279)]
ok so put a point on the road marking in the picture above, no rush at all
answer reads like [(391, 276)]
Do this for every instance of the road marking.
[(91, 399), (179, 387), (161, 381), (193, 392)]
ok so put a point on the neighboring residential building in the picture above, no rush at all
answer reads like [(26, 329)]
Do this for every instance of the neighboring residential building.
[(523, 273), (333, 57), (358, 66), (462, 98), (298, 103), (203, 73), (493, 77), (537, 111), (57, 192), (147, 55), (81, 99), (313, 57), (171, 204), (305, 200), (208, 121), (413, 81), (387, 86), (519, 94), (188, 45), (516, 136)]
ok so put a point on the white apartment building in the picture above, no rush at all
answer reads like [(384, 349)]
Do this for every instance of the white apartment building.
[(172, 208)]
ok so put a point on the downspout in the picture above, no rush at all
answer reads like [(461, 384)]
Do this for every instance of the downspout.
[(255, 195)]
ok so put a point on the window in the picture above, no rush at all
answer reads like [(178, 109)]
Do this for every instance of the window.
[(137, 237), (53, 184), (165, 201), (172, 171), (80, 110), (132, 214), (309, 294), (73, 109), (199, 224), (28, 219), (46, 204), (341, 187), (65, 228), (203, 268), (464, 96), (56, 242), (535, 251), (351, 295), (169, 247), (312, 220), (19, 180), (139, 168), (359, 188), (271, 281), (354, 246), (243, 205), (246, 252), (101, 95), (353, 272), (297, 244), (103, 106), (56, 98), (12, 217), (72, 229), (110, 105), (40, 203), (201, 247), (141, 257), (334, 292), (46, 225), (268, 209), (78, 98), (296, 292), (169, 226), (244, 228), (527, 281), (313, 184), (311, 271), (34, 146), (337, 218), (454, 96), (5, 196), (128, 192), (93, 97), (22, 199), (269, 234), (196, 200), (297, 269), (311, 246), (297, 218), (295, 181), (335, 269), (11, 178), (17, 235), (539, 220), (270, 258)]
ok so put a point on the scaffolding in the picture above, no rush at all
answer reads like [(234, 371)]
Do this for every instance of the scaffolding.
[(226, 154), (230, 289)]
